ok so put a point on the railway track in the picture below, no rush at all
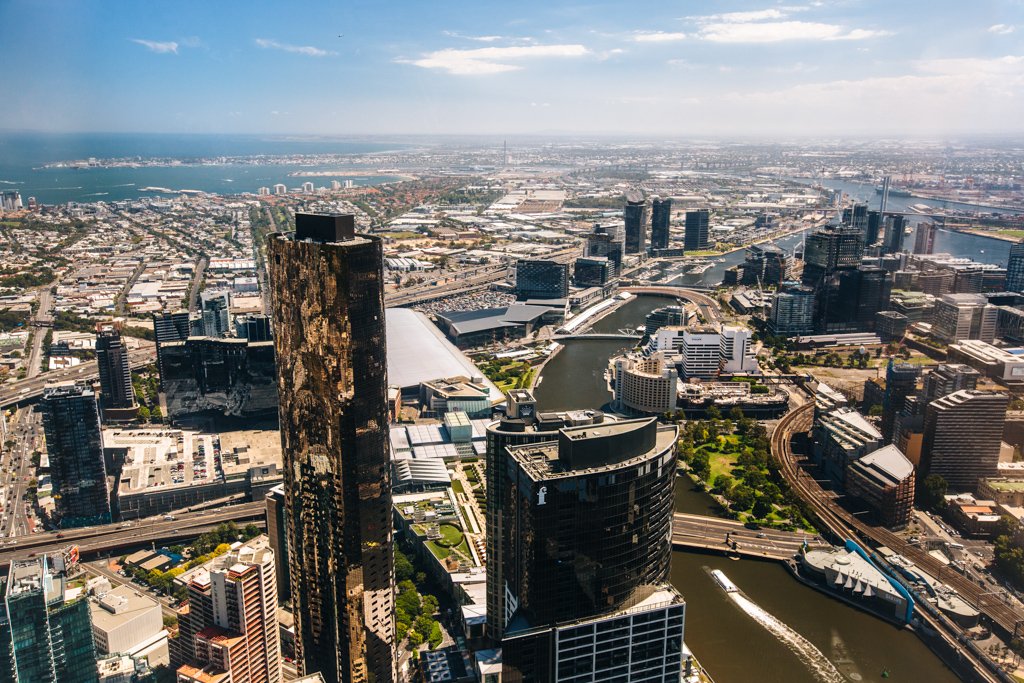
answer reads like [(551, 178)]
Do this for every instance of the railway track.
[(843, 525)]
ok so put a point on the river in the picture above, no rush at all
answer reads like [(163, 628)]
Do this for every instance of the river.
[(735, 645)]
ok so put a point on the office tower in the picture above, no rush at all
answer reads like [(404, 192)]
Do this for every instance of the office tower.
[(764, 266), (859, 218), (229, 627), (829, 250), (253, 327), (964, 316), (874, 226), (661, 219), (924, 238), (216, 308), (666, 316), (1015, 268), (874, 288), (328, 301), (587, 536), (168, 327), (890, 325), (886, 185), (71, 421), (962, 436), (792, 312), (949, 378), (635, 215), (592, 271), (701, 352), (900, 383), (695, 237), (277, 532), (116, 392), (522, 424), (884, 479), (541, 279), (894, 233), (45, 637), (605, 241), (735, 350)]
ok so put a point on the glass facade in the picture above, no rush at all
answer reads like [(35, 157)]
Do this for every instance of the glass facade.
[(71, 421), (328, 303), (661, 218)]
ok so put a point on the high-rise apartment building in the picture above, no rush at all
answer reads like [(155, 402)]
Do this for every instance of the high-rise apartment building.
[(695, 236), (116, 393), (924, 238), (228, 630), (948, 378), (71, 421), (592, 271), (45, 635), (277, 532), (541, 279), (645, 384), (327, 284), (216, 307), (606, 241), (895, 231), (900, 383), (792, 312), (661, 219), (169, 327), (962, 436), (587, 537), (1015, 268), (635, 216)]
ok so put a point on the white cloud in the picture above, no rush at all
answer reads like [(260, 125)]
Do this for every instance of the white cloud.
[(658, 36), (1001, 29), (779, 31), (491, 60), (160, 47), (307, 50), (479, 39), (742, 17)]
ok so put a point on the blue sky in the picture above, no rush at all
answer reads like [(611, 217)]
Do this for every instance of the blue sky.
[(681, 69)]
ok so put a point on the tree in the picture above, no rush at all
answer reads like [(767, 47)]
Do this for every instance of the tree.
[(934, 492), (736, 414), (762, 508), (144, 414), (436, 636), (701, 465), (875, 410), (403, 567), (156, 415), (713, 413), (723, 484), (742, 497)]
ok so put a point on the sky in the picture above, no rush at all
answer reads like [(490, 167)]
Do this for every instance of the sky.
[(424, 67)]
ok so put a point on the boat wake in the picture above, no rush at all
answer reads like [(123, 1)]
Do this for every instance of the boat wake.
[(812, 657), (11, 182)]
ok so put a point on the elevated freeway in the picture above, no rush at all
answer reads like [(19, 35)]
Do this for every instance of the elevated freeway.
[(31, 389), (106, 539)]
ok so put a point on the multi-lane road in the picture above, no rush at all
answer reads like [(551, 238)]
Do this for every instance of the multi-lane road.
[(110, 538), (730, 536)]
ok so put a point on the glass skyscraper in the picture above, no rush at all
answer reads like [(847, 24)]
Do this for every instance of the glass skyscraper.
[(328, 306)]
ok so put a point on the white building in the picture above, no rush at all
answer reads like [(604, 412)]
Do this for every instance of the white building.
[(127, 622), (701, 354), (307, 187), (735, 351), (280, 188), (645, 385)]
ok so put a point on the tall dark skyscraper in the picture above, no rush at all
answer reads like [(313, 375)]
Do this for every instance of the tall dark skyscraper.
[(169, 327), (924, 238), (696, 237), (606, 242), (859, 218), (328, 305), (635, 215), (894, 233), (1015, 268), (661, 219), (587, 536), (874, 227), (117, 394), (71, 420)]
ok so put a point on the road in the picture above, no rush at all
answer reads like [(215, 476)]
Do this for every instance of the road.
[(123, 297), (710, 533), (30, 389), (41, 323), (197, 282), (25, 430), (110, 538), (708, 307)]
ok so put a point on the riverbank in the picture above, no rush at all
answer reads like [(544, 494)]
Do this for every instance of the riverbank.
[(1002, 235)]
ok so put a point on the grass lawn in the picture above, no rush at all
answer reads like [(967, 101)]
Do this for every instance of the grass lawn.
[(452, 535), (457, 485), (1018, 234), (439, 551)]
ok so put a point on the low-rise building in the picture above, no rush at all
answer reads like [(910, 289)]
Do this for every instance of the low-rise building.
[(999, 364), (127, 622)]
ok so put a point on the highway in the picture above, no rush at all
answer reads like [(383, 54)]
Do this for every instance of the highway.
[(41, 323), (843, 525), (110, 538), (30, 389), (707, 305)]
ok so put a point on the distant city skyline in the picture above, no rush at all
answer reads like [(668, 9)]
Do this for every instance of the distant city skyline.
[(718, 69)]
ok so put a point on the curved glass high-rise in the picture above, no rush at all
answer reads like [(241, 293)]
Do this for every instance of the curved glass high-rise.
[(328, 303)]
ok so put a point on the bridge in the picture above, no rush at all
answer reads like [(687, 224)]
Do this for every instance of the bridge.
[(710, 533), (596, 335), (707, 305)]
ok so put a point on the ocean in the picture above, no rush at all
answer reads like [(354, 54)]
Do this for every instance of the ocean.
[(22, 156)]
